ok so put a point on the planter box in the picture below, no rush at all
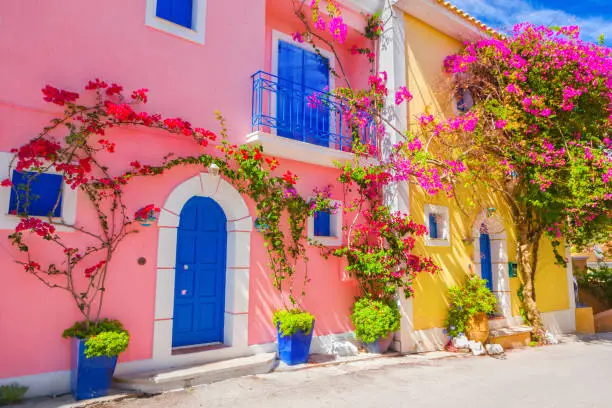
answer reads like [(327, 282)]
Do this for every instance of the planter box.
[(294, 349), (89, 377)]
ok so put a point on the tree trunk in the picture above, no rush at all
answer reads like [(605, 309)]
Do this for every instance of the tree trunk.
[(528, 242)]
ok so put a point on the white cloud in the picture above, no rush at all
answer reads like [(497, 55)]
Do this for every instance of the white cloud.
[(504, 14)]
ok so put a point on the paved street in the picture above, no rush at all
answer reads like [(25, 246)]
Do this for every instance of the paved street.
[(575, 374)]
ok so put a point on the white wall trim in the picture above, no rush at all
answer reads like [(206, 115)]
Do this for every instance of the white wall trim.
[(444, 228), (239, 228), (336, 228), (195, 34), (8, 221)]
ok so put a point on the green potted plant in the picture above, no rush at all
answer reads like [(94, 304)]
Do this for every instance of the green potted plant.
[(95, 348), (374, 321), (469, 305), (294, 328)]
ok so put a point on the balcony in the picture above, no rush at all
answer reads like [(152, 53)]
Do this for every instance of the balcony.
[(290, 121)]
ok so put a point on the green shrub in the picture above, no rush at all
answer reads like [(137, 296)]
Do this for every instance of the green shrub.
[(104, 338), (293, 320), (12, 393), (374, 318), (598, 281), (467, 300), (108, 344)]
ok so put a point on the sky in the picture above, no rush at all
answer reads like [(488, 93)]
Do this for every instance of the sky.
[(593, 16)]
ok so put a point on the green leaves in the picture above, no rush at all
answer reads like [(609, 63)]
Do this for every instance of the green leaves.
[(374, 318), (291, 321), (108, 344), (465, 301)]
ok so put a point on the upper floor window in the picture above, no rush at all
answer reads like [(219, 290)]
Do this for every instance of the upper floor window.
[(182, 18), (464, 101), (176, 11)]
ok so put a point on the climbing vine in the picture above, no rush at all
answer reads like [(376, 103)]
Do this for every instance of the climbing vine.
[(82, 155)]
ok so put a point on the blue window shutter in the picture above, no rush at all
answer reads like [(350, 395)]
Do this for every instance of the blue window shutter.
[(289, 100), (43, 193), (433, 226), (300, 73), (176, 11), (322, 224)]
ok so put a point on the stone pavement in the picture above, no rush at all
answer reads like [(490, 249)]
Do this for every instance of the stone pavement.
[(574, 374)]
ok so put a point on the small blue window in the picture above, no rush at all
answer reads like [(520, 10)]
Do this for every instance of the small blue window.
[(433, 227), (176, 11), (322, 224), (44, 193)]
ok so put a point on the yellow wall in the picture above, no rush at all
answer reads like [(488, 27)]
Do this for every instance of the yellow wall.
[(426, 49)]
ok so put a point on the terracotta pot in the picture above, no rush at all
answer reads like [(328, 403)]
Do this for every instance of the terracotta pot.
[(477, 328)]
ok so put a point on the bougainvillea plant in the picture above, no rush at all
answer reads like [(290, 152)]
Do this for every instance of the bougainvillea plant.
[(379, 244), (81, 155), (539, 134)]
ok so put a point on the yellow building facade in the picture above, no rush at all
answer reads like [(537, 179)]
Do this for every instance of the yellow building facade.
[(427, 35)]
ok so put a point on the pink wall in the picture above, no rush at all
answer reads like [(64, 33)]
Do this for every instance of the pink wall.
[(66, 45)]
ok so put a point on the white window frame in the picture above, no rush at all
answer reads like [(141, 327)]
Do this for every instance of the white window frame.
[(10, 221), (195, 34), (335, 221), (443, 228)]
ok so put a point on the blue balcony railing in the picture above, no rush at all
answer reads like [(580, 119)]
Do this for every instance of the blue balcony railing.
[(297, 112)]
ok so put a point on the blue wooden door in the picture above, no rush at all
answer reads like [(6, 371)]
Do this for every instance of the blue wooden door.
[(485, 260), (301, 73), (199, 288)]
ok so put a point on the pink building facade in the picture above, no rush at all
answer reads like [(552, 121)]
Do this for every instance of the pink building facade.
[(225, 56)]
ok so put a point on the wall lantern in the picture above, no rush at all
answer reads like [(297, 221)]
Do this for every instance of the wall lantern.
[(213, 170)]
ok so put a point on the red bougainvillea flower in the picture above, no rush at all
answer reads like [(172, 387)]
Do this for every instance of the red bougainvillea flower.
[(146, 212), (290, 177), (90, 271), (97, 84), (114, 89), (272, 162), (6, 183), (31, 266), (58, 96), (140, 95), (41, 228)]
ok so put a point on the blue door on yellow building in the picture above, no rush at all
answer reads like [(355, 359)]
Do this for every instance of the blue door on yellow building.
[(199, 291), (485, 260)]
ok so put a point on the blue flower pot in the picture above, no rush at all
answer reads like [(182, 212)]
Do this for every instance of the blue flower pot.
[(294, 349), (89, 377)]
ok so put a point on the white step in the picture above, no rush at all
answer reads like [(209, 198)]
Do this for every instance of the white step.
[(168, 380)]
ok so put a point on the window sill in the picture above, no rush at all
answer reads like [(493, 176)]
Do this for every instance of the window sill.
[(299, 151), (328, 241), (10, 222), (437, 242)]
